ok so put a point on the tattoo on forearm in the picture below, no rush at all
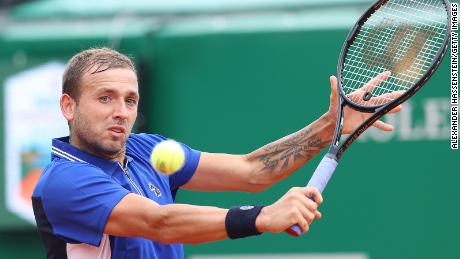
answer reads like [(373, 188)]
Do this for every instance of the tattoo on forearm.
[(301, 145)]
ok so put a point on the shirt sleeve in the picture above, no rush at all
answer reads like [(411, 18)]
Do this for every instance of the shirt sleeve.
[(144, 143), (192, 157), (78, 200)]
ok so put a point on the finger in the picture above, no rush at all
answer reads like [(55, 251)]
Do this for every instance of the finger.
[(308, 215), (305, 202), (375, 82), (396, 109), (303, 225), (383, 126), (318, 214), (298, 217), (386, 98), (315, 195), (333, 81), (306, 206), (334, 94), (300, 222)]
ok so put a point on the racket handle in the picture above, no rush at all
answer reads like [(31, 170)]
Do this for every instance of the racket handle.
[(323, 173), (319, 180)]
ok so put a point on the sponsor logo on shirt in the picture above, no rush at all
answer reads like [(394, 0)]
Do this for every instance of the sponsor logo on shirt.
[(155, 190)]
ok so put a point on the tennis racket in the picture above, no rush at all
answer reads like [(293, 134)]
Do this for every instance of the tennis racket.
[(391, 52)]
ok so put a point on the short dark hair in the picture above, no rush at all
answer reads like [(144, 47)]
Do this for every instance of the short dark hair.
[(95, 60)]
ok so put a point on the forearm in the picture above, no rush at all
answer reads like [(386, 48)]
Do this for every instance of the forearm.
[(265, 166), (138, 216), (188, 224), (279, 159)]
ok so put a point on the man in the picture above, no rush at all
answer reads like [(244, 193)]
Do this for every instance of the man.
[(100, 198)]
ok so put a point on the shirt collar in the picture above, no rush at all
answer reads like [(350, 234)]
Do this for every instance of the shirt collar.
[(63, 149)]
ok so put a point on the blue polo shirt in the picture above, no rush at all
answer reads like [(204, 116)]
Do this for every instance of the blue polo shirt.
[(77, 192)]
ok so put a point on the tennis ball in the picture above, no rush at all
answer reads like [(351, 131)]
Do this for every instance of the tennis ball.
[(167, 157)]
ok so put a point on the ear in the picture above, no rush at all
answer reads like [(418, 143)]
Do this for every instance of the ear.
[(68, 107)]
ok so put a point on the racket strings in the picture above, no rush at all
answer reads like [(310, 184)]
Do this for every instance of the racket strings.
[(386, 35), (409, 51), (422, 11), (410, 76), (404, 37), (407, 83), (384, 58)]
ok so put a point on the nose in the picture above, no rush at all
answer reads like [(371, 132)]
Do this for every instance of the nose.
[(120, 110)]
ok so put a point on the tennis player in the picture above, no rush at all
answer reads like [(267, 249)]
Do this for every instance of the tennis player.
[(100, 198)]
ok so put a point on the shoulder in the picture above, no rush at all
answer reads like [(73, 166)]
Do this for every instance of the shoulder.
[(64, 176), (67, 184), (143, 142), (70, 169), (142, 145), (76, 199)]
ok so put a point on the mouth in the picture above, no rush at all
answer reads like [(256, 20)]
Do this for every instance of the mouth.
[(117, 131)]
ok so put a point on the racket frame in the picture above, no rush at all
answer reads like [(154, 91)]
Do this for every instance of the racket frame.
[(330, 160), (336, 150)]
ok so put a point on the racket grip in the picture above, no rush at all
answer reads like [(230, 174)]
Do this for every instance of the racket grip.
[(319, 180), (323, 173)]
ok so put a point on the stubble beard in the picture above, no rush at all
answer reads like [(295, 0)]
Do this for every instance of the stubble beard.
[(97, 143)]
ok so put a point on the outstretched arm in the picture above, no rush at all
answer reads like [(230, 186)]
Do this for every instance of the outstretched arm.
[(263, 167), (273, 162), (137, 216)]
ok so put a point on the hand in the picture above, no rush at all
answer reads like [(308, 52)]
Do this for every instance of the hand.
[(353, 118), (298, 206)]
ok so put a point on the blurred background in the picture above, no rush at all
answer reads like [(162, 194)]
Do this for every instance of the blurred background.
[(230, 76)]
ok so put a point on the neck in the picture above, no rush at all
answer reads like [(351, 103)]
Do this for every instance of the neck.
[(98, 151)]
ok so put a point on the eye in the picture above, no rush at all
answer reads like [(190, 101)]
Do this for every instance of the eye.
[(104, 99), (131, 101)]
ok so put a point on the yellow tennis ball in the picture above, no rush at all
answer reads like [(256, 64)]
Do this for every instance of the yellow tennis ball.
[(167, 157)]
